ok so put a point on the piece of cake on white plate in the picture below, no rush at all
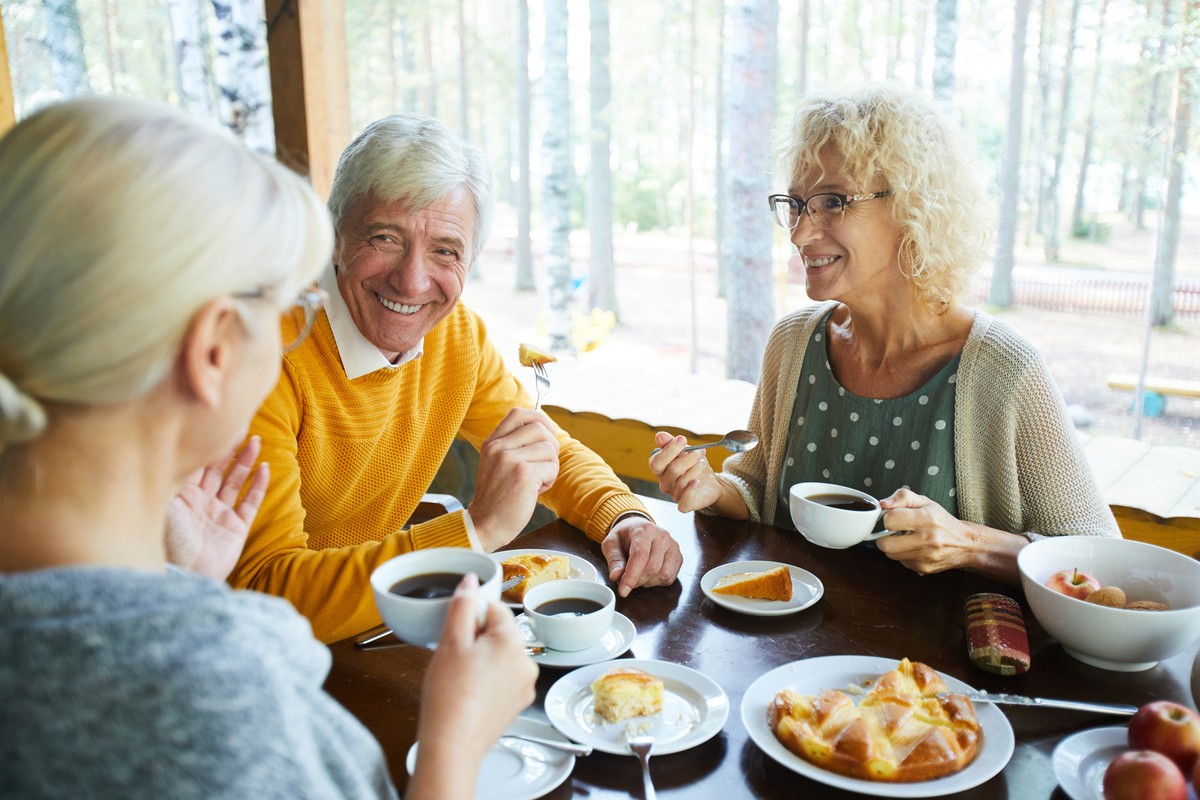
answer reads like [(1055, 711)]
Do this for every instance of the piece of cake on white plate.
[(627, 692), (772, 584)]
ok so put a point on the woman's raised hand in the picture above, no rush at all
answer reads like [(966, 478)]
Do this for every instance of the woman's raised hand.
[(686, 476)]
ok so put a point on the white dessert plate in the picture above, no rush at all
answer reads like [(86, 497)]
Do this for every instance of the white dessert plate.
[(1081, 759), (812, 675), (806, 589), (515, 769), (577, 568), (616, 640), (694, 709)]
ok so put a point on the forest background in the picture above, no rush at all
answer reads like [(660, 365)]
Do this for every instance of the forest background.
[(631, 143)]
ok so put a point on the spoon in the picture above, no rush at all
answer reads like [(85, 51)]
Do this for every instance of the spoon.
[(734, 442)]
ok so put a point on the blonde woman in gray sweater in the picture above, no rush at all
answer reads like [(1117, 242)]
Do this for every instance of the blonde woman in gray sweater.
[(145, 259), (889, 384)]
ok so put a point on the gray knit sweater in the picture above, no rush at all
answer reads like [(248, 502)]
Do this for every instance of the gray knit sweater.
[(116, 683), (1019, 466)]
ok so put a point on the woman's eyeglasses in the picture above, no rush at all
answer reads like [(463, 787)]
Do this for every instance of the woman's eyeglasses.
[(826, 210), (299, 317)]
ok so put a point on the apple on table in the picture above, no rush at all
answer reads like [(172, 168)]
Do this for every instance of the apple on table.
[(1144, 775)]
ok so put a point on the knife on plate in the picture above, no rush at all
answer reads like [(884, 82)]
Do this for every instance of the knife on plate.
[(372, 636), (1001, 698)]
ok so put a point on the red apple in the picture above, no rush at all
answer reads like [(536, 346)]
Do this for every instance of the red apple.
[(1196, 778), (1073, 583), (1144, 775), (1167, 728)]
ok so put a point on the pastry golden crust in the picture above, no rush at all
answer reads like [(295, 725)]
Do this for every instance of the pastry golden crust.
[(536, 568), (530, 355), (773, 584), (900, 732), (627, 692)]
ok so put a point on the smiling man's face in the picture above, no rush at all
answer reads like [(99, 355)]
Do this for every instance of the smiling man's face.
[(401, 271)]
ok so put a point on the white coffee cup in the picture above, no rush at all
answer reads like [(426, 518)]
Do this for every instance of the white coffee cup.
[(828, 525), (568, 631), (419, 620)]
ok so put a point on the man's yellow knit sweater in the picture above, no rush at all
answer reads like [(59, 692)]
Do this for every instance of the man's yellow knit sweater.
[(350, 460)]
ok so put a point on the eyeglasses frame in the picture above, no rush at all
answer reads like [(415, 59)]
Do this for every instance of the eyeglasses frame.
[(802, 206), (312, 299)]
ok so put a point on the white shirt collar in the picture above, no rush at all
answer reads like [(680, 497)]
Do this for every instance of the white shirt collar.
[(359, 356)]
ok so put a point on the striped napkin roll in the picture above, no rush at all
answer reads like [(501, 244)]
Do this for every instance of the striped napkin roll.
[(996, 638)]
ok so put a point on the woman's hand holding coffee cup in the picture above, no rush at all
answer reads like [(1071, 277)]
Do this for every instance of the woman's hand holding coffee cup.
[(936, 540)]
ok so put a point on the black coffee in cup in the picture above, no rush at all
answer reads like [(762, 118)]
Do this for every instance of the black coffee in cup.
[(428, 586), (846, 502), (568, 607)]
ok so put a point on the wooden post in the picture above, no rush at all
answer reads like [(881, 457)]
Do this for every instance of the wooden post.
[(8, 109), (306, 42)]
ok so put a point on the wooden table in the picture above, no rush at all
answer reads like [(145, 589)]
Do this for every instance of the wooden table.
[(872, 606)]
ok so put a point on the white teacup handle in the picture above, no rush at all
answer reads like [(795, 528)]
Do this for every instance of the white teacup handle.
[(879, 534), (528, 626)]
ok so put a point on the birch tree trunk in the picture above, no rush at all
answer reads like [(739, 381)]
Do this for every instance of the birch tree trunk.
[(1053, 225), (191, 72), (463, 101), (602, 279), (945, 39), (805, 26), (240, 70), (1045, 85), (524, 249), (719, 167), (1089, 134), (751, 108), (408, 59), (1001, 293), (64, 40), (556, 203), (1162, 305), (1154, 112)]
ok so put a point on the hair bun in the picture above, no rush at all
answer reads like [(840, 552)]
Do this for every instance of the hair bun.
[(21, 417)]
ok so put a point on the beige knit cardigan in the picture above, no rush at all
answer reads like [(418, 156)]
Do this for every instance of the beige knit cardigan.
[(1019, 466)]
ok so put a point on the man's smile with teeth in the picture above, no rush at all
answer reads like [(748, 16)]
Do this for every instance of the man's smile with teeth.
[(397, 307), (819, 261)]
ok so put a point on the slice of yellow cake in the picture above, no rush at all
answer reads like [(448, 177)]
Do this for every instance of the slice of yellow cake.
[(627, 692), (530, 355), (774, 584)]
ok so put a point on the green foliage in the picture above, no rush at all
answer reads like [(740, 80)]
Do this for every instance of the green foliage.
[(1092, 230)]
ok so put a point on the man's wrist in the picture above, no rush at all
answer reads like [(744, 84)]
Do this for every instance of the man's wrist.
[(626, 515)]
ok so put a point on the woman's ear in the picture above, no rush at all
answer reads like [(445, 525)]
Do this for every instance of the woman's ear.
[(208, 352)]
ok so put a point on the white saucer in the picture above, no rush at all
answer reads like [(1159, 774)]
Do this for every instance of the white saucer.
[(1080, 760), (615, 641), (806, 589), (577, 568), (515, 769)]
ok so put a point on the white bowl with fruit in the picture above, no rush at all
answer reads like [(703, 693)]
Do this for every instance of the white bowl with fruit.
[(1070, 584)]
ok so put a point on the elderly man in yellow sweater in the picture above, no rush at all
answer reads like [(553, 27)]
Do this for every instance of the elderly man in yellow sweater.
[(394, 368)]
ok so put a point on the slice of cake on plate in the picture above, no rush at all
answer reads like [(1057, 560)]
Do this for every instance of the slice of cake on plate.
[(773, 584)]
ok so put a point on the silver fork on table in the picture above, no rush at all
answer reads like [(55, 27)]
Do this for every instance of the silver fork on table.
[(641, 747), (542, 381)]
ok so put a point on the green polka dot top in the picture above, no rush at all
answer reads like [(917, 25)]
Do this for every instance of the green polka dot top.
[(877, 446)]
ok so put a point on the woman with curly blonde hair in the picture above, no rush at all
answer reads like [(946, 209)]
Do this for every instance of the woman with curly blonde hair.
[(888, 384)]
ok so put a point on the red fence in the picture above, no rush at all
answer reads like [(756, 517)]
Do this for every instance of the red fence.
[(1097, 295)]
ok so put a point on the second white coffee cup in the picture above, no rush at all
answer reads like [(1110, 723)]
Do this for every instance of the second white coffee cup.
[(834, 516), (569, 614)]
